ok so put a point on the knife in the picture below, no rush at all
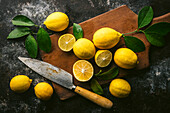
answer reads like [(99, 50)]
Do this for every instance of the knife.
[(64, 79)]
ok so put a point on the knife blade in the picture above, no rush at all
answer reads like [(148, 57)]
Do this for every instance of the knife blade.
[(64, 79), (50, 72)]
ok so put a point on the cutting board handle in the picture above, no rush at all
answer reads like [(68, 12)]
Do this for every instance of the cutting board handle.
[(101, 101)]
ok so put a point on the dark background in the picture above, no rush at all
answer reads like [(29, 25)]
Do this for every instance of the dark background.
[(150, 87)]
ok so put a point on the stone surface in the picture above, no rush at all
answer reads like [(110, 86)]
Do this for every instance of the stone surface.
[(150, 88)]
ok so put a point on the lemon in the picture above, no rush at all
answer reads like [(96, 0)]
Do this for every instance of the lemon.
[(66, 42), (20, 83), (57, 21), (106, 38), (84, 48), (83, 70), (125, 58), (43, 91), (119, 88), (103, 58)]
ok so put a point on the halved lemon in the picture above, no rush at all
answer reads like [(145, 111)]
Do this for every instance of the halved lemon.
[(66, 42), (103, 58), (83, 70)]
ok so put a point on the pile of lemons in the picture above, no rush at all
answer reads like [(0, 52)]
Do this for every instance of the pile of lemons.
[(103, 39)]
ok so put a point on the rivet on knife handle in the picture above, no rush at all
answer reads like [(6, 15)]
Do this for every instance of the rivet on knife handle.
[(101, 101)]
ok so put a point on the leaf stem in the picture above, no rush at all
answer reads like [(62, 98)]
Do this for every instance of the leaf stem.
[(130, 32), (140, 31)]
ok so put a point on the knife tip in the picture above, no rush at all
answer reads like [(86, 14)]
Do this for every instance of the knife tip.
[(21, 58)]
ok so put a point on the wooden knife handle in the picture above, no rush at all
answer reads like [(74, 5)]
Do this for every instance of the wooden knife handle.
[(101, 101)]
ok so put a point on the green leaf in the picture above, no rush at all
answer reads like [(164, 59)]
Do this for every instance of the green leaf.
[(145, 16), (162, 28), (95, 86), (31, 46), (155, 33), (43, 40), (110, 74), (22, 20), (77, 31), (134, 44), (19, 32)]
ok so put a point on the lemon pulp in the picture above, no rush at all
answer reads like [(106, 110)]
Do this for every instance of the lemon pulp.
[(103, 58), (83, 70), (66, 42)]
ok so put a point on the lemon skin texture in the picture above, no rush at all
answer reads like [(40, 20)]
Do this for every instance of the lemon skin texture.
[(120, 88), (84, 49), (106, 38), (20, 83), (125, 58), (57, 21), (43, 91)]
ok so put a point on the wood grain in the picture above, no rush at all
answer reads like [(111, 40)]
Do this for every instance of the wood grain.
[(121, 19), (101, 101)]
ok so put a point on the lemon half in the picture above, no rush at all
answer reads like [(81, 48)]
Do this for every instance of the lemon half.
[(83, 70), (103, 58), (66, 42)]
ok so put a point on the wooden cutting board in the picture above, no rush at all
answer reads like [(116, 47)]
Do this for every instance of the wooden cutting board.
[(121, 19)]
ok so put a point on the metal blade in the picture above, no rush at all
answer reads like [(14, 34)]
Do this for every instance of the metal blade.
[(50, 72)]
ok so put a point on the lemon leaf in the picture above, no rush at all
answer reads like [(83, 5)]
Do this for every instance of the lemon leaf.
[(31, 46), (19, 32), (77, 31), (134, 44), (145, 16), (155, 33), (43, 40), (95, 86), (22, 20), (110, 74)]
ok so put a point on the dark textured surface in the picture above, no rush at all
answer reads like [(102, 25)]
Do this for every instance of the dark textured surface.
[(150, 87)]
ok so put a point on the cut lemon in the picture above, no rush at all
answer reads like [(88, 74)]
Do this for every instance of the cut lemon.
[(83, 70), (103, 58), (66, 42)]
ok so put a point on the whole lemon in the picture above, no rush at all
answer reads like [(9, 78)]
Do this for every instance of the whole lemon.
[(20, 83), (84, 48), (119, 88), (57, 21), (106, 38), (125, 58), (43, 91)]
